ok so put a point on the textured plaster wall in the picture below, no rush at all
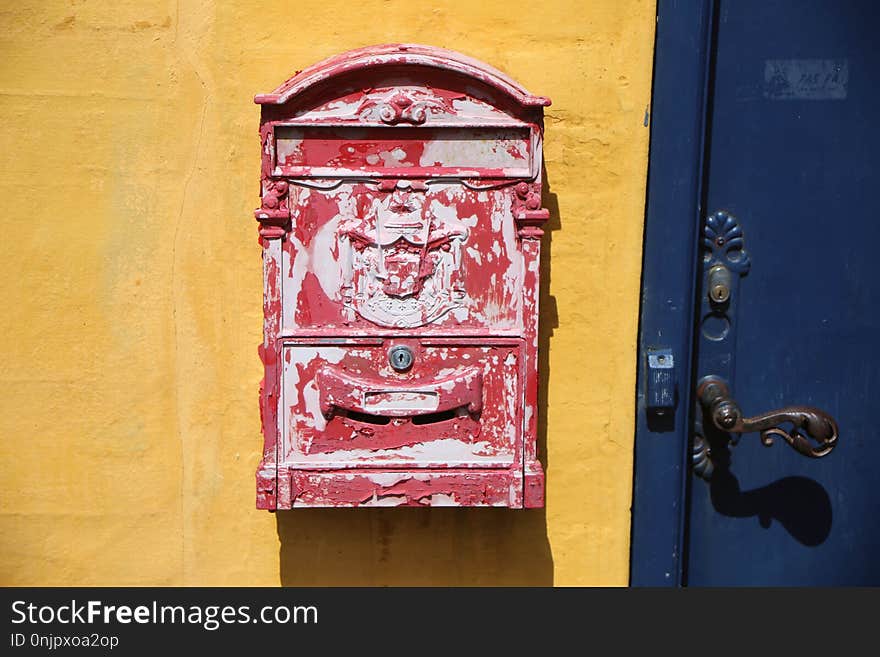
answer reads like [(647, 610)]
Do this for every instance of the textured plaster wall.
[(130, 283)]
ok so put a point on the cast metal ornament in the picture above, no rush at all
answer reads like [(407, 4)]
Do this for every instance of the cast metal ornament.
[(724, 244)]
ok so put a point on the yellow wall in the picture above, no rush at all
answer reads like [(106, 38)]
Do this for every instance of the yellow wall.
[(131, 293)]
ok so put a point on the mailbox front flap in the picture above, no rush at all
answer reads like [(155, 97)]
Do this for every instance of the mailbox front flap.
[(346, 406)]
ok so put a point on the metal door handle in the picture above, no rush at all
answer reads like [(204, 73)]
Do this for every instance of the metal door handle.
[(807, 422)]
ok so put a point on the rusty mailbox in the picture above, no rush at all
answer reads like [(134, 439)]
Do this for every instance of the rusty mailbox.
[(401, 229)]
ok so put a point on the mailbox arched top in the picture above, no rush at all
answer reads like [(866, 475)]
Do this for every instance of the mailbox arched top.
[(399, 55)]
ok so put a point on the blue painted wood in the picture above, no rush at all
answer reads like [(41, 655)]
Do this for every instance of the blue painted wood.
[(673, 212), (793, 154), (790, 151)]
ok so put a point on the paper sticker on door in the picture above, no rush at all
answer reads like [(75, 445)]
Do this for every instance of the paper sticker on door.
[(805, 79)]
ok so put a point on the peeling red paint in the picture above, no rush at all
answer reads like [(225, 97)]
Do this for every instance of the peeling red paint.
[(395, 488), (430, 151), (346, 405), (401, 207)]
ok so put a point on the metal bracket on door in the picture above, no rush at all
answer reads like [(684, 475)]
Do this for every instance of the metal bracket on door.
[(718, 420)]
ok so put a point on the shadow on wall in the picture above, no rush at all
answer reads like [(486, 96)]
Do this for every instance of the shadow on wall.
[(431, 546), (414, 547)]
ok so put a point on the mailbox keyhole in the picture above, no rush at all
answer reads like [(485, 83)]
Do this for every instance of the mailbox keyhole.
[(401, 358)]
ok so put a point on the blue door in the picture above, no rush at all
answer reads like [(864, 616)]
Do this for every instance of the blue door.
[(782, 306)]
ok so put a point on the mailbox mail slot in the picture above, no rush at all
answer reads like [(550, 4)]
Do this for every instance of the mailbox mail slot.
[(400, 224)]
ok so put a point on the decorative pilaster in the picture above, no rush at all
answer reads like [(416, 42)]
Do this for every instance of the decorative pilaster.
[(274, 211), (527, 211)]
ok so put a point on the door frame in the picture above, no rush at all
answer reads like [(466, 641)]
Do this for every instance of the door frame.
[(682, 67)]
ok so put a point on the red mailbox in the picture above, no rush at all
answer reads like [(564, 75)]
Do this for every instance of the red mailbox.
[(401, 231)]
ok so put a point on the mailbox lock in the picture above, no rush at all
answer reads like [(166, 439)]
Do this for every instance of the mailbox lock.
[(401, 358)]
